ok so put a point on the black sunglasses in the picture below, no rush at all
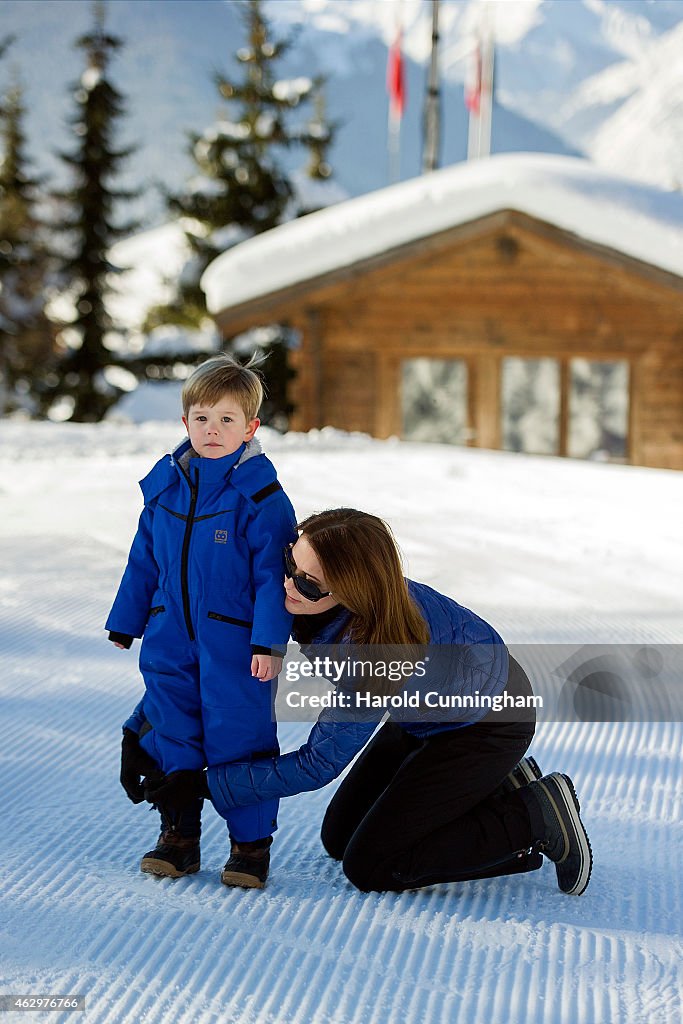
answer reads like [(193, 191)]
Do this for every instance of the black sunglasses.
[(307, 588)]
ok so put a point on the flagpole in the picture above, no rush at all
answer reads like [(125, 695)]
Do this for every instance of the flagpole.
[(479, 93), (394, 147), (430, 158), (473, 102), (396, 89), (487, 58), (473, 85)]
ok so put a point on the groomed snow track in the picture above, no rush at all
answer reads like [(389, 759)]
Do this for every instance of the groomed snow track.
[(77, 916)]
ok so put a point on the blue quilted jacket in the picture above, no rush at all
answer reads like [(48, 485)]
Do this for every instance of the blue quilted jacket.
[(481, 665)]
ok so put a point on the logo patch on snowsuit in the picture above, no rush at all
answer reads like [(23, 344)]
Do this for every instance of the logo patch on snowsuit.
[(221, 536)]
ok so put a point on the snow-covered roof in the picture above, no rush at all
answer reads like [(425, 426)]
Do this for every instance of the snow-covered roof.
[(638, 220)]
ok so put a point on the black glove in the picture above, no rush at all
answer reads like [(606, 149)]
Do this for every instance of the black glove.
[(177, 790), (134, 763), (122, 638)]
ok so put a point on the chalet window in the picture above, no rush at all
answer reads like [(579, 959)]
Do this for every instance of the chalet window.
[(530, 405), (598, 409), (577, 407), (434, 404)]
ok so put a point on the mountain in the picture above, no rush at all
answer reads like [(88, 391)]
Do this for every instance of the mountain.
[(600, 77), (631, 114)]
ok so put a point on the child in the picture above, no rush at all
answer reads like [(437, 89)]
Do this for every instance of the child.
[(204, 584)]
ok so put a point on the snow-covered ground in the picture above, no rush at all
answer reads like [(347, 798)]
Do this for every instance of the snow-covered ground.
[(549, 550)]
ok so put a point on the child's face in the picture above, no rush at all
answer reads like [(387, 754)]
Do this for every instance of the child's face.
[(218, 430)]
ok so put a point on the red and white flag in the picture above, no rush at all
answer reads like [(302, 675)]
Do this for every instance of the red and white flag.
[(396, 86), (473, 82)]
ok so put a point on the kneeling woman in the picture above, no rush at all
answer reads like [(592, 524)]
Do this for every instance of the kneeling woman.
[(425, 802)]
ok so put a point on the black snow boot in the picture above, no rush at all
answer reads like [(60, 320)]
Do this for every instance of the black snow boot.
[(177, 851), (173, 856), (521, 775), (558, 831), (248, 864)]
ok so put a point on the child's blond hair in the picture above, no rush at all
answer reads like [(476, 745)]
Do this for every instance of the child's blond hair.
[(222, 375)]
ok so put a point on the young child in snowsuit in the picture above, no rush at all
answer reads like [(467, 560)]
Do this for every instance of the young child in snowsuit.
[(203, 588)]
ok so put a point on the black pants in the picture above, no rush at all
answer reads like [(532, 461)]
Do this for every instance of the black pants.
[(413, 812)]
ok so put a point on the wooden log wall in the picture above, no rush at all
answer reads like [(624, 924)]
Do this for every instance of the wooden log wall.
[(515, 292)]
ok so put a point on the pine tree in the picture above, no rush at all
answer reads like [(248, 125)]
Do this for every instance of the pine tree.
[(90, 342), (5, 45), (318, 137), (26, 334), (243, 189)]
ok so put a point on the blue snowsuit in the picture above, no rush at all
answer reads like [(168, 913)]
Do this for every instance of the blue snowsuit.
[(204, 588), (481, 664)]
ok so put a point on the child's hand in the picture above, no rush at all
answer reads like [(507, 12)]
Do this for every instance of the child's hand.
[(121, 640), (265, 666)]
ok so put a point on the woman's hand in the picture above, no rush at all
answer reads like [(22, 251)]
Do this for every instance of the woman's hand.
[(265, 666)]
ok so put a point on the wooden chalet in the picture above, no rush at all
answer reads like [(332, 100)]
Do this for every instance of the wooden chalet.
[(503, 329)]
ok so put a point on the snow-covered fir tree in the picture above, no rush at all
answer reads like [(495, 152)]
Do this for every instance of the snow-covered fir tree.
[(27, 339), (242, 188), (91, 348), (314, 187)]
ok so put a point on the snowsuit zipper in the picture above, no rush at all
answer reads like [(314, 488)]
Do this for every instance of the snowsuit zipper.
[(184, 560)]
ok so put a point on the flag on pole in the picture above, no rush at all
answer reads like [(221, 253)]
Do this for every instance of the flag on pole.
[(396, 80), (473, 82)]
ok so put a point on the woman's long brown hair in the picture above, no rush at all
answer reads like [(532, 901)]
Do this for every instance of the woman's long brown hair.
[(362, 567)]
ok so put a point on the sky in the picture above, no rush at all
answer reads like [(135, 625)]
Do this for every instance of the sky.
[(547, 53)]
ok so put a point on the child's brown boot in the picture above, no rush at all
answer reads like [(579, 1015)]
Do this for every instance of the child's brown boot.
[(248, 864), (174, 855)]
